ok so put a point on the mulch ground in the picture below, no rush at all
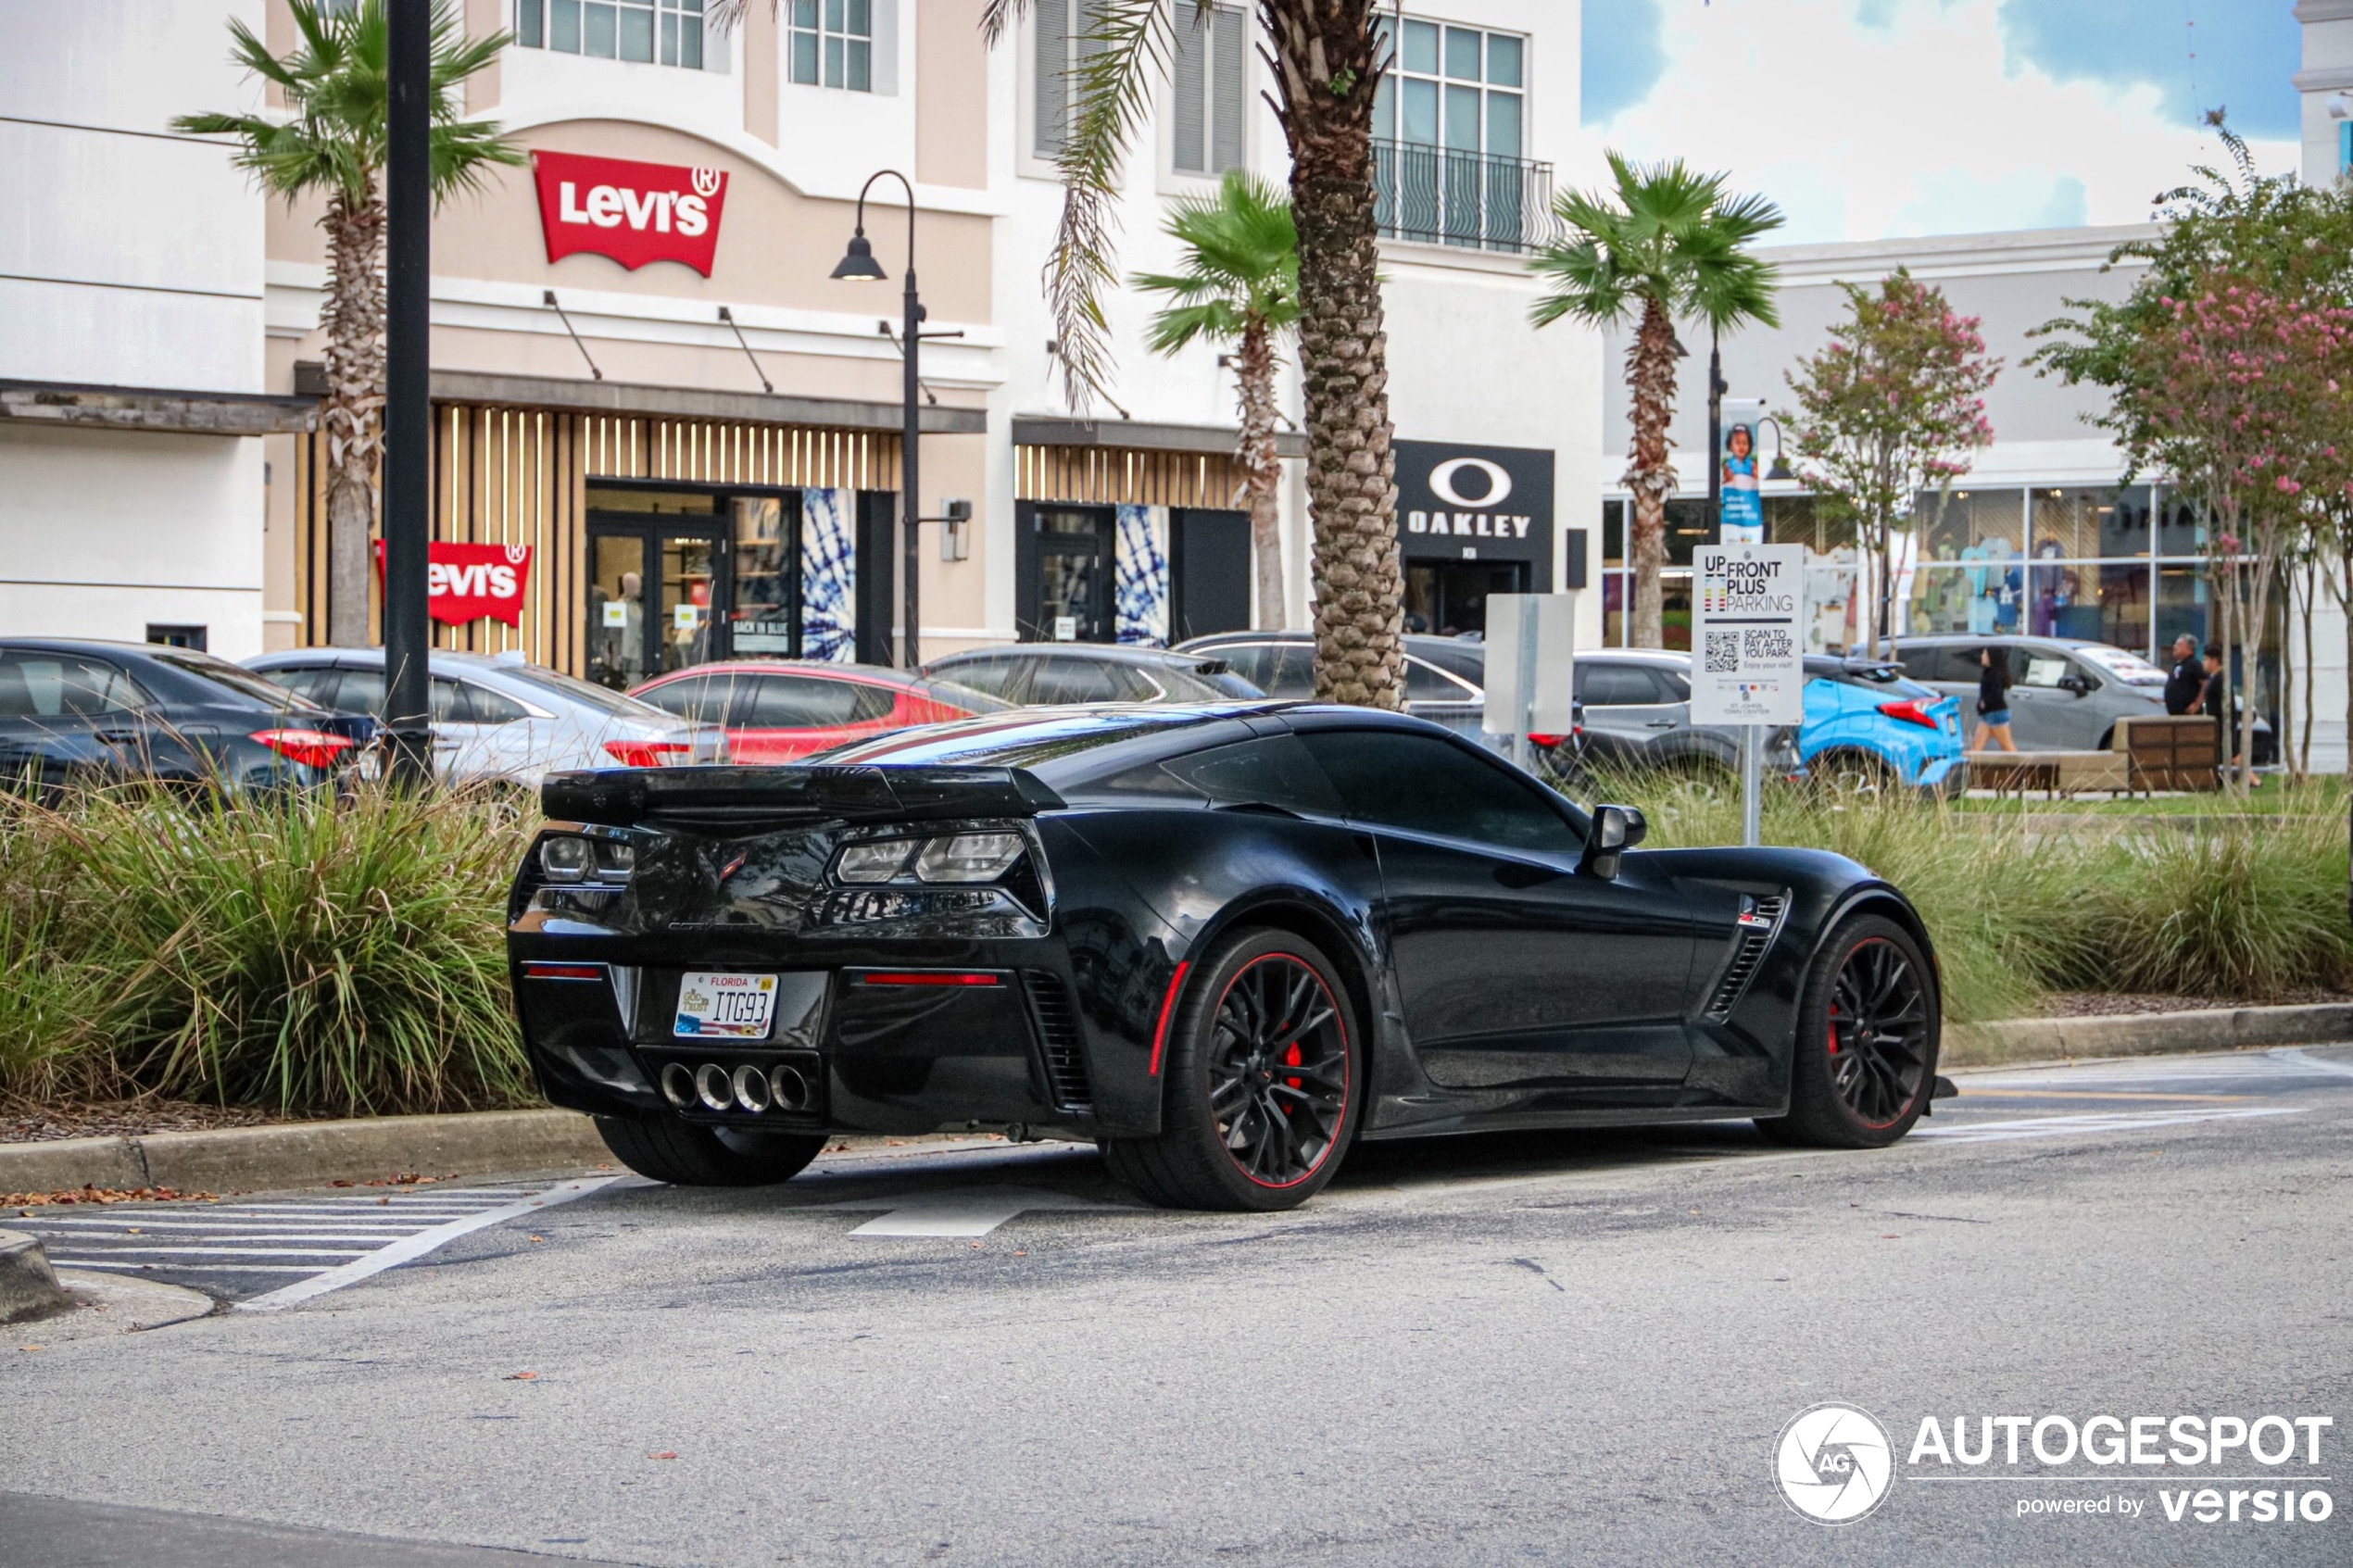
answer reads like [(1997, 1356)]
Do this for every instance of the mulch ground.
[(122, 1119), (2107, 1004)]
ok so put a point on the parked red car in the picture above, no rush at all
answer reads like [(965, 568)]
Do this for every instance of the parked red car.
[(780, 710)]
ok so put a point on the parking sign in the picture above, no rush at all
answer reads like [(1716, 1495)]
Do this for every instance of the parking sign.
[(1748, 643)]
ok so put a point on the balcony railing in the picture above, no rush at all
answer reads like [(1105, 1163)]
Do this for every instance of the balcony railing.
[(1438, 196)]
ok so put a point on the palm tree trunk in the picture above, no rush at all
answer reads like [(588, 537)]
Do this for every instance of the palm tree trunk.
[(1324, 52), (1650, 474), (354, 317), (1262, 469)]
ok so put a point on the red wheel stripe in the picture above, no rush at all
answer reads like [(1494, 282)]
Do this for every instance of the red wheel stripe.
[(1168, 1010)]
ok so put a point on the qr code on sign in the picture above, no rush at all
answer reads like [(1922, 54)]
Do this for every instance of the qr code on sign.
[(1773, 645), (1723, 653)]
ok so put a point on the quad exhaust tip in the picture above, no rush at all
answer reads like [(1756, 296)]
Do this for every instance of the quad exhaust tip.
[(713, 1087)]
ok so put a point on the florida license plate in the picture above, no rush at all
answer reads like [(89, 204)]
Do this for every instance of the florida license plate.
[(716, 1004)]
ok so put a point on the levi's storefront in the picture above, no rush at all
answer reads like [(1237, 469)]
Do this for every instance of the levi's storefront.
[(639, 441)]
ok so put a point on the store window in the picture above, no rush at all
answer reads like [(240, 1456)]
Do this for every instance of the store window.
[(1450, 138), (1211, 96), (833, 44), (664, 31)]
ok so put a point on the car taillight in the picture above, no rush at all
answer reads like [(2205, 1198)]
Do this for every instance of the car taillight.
[(312, 749), (1546, 740), (648, 753), (1910, 712)]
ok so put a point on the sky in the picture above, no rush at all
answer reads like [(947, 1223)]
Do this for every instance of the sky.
[(1883, 118)]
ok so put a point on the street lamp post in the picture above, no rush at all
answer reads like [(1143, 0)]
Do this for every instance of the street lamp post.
[(858, 265), (1715, 390), (408, 415)]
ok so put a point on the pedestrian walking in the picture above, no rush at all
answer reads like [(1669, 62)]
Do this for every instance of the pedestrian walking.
[(1994, 700), (2185, 682), (2213, 702)]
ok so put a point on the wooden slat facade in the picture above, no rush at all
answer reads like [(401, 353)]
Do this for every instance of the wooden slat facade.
[(1106, 475), (521, 476)]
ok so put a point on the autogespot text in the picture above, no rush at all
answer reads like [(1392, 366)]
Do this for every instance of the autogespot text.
[(2274, 1462)]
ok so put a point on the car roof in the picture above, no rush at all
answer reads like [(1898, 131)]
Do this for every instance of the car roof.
[(445, 659), (1121, 653), (1415, 642), (824, 670), (1677, 658)]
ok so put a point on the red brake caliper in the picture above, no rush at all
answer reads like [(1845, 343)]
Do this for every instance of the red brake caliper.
[(1291, 1058), (1833, 1029)]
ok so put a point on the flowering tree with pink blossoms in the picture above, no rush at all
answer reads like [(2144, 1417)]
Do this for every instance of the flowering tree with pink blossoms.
[(1893, 407)]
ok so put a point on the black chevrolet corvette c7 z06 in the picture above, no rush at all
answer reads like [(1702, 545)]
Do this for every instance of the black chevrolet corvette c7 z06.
[(1222, 941)]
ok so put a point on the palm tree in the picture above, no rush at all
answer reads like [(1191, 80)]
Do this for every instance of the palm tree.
[(1327, 59), (1673, 244), (331, 139), (1240, 286)]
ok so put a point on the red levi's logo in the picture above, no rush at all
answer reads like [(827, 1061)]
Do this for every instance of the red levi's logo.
[(632, 212), (467, 582)]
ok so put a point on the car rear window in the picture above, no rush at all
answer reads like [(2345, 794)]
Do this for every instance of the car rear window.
[(1007, 740), (244, 682), (587, 694), (2127, 666), (955, 694)]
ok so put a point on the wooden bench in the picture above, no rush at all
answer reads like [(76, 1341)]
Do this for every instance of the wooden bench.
[(2054, 772), (2183, 753)]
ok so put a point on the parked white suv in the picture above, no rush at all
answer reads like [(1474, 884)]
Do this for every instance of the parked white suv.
[(501, 717)]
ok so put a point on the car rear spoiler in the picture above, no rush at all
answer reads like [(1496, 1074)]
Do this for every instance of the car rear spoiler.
[(726, 800)]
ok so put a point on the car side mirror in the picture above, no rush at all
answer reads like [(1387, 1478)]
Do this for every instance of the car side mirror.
[(1615, 829), (2082, 685)]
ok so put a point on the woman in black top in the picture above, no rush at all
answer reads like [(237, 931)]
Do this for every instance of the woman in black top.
[(1994, 700)]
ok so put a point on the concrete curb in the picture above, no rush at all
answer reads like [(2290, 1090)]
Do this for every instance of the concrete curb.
[(2146, 1033), (29, 1287), (308, 1154)]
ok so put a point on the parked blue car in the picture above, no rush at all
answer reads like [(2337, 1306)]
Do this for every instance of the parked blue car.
[(1869, 728)]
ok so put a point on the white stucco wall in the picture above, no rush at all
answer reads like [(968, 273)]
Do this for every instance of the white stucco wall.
[(131, 257)]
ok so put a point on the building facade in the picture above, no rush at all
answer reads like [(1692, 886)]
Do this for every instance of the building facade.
[(670, 436), (134, 393)]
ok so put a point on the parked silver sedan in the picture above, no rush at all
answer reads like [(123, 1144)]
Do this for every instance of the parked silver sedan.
[(502, 717), (1637, 704)]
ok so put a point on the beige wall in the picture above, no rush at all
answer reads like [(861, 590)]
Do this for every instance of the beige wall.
[(952, 103), (761, 62)]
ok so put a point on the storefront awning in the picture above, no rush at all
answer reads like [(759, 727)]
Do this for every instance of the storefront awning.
[(148, 408), (1140, 435), (672, 402)]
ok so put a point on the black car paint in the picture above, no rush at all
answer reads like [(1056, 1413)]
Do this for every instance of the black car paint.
[(191, 730), (1142, 883)]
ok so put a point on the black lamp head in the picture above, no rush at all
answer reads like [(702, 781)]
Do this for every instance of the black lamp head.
[(858, 264), (1780, 469)]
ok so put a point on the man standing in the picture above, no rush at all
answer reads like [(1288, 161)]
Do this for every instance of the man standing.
[(2187, 682), (2214, 703)]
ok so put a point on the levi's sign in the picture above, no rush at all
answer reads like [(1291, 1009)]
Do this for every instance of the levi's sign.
[(467, 582), (632, 212)]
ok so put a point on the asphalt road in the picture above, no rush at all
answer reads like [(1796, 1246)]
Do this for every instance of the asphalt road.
[(1551, 1349)]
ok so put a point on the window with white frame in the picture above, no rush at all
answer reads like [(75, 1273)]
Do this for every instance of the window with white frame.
[(1210, 80), (833, 44), (1460, 87), (667, 32)]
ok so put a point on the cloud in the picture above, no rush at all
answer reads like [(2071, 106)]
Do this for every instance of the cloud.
[(2235, 52), (1623, 58), (1929, 117)]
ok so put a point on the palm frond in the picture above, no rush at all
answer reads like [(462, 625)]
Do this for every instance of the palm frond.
[(1241, 259), (1126, 46)]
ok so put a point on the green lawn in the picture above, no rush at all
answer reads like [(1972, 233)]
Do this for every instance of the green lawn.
[(2313, 797)]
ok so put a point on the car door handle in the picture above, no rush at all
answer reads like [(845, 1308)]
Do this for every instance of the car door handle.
[(1660, 724), (117, 738)]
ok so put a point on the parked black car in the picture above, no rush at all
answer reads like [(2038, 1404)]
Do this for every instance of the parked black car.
[(1445, 683), (95, 712), (1222, 941), (1057, 674)]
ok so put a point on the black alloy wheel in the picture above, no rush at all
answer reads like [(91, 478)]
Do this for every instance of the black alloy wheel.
[(1865, 1056), (1261, 1076)]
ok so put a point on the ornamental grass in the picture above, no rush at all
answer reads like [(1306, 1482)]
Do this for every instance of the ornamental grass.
[(308, 954)]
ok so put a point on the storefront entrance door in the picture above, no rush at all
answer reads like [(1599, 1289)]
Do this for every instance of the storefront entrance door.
[(1066, 588), (1449, 596), (657, 597)]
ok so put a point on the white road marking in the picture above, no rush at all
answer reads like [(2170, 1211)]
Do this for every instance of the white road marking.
[(964, 1212), (241, 1251), (413, 1247), (188, 1268), (2061, 1126), (2297, 1055)]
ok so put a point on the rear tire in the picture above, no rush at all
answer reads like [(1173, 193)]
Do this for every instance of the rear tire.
[(1864, 1063), (1263, 1081), (684, 1155)]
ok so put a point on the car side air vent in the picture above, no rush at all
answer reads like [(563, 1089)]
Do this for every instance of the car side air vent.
[(1057, 1020), (1760, 920)]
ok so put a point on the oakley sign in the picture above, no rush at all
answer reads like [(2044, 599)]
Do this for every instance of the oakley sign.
[(631, 212), (1475, 503)]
